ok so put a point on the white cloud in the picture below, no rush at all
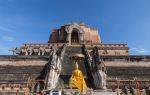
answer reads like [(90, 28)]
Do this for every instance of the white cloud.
[(8, 38), (142, 51), (139, 50), (5, 29)]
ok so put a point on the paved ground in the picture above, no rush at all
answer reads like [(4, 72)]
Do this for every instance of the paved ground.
[(105, 93)]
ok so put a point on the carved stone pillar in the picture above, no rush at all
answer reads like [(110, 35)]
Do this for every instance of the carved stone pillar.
[(81, 38), (69, 38)]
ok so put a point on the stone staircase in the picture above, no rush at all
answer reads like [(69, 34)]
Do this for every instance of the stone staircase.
[(11, 93), (19, 73), (68, 64)]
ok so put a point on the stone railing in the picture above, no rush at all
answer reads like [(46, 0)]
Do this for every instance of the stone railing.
[(109, 45), (12, 87), (41, 44), (40, 49)]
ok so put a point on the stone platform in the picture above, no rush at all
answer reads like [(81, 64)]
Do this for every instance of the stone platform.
[(17, 69)]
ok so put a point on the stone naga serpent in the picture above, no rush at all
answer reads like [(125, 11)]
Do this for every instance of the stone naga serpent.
[(55, 67)]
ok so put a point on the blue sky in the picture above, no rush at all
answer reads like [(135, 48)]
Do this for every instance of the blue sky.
[(119, 21)]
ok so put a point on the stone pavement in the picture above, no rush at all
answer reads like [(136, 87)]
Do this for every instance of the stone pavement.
[(104, 92)]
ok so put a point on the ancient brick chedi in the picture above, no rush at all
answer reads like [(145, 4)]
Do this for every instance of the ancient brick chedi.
[(75, 33), (103, 64)]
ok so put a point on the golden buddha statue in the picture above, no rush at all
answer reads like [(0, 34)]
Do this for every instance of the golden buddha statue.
[(77, 79)]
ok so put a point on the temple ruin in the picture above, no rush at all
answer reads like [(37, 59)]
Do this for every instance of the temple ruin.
[(37, 66)]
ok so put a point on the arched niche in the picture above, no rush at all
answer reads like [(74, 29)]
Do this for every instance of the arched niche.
[(75, 34), (75, 37)]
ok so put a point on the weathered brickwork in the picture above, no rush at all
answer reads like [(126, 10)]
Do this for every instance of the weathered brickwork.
[(85, 33), (31, 59)]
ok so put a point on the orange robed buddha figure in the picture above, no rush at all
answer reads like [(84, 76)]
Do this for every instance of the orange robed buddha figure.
[(77, 79)]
